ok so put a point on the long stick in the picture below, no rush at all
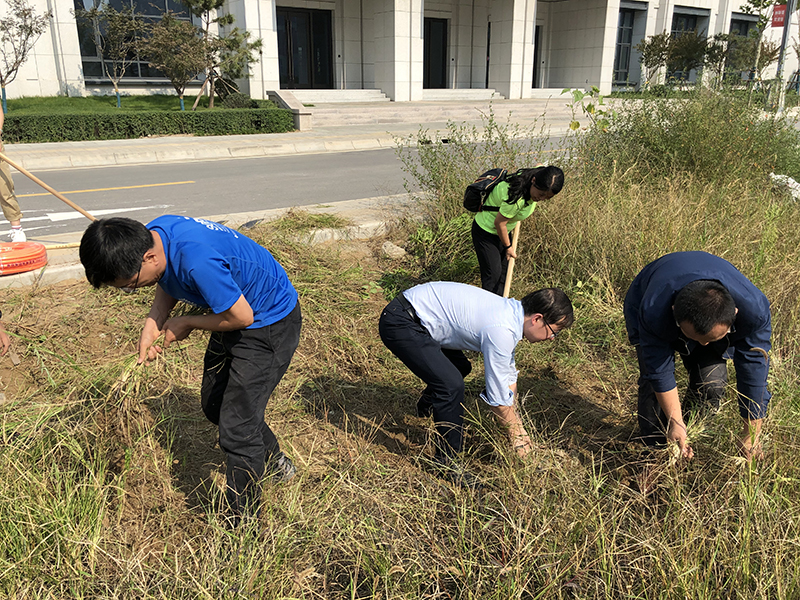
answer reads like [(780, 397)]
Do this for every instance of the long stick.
[(510, 271), (47, 187)]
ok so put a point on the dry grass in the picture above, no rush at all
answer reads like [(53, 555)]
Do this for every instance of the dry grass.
[(110, 477)]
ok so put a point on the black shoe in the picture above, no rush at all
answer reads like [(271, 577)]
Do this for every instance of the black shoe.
[(424, 406), (452, 470), (280, 468)]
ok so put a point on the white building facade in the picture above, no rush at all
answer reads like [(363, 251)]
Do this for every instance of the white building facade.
[(519, 48)]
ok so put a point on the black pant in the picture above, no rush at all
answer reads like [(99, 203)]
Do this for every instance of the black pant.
[(242, 368), (442, 369), (708, 379), (491, 258)]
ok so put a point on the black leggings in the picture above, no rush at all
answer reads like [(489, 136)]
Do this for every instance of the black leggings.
[(491, 258)]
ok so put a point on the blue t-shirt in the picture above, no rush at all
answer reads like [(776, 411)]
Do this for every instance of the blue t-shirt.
[(211, 266)]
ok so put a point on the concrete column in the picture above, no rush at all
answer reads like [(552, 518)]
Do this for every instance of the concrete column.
[(608, 50), (583, 43), (511, 50), (53, 66), (398, 48), (258, 17)]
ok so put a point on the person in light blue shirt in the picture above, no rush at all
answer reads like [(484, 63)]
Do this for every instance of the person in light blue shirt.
[(429, 326), (254, 318)]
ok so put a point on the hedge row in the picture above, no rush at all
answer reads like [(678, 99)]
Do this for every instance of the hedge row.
[(111, 126)]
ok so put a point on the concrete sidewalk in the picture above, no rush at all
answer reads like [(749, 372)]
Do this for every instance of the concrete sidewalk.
[(375, 131)]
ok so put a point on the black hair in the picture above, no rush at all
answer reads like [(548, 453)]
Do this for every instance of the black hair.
[(547, 179), (552, 303), (113, 249), (704, 304)]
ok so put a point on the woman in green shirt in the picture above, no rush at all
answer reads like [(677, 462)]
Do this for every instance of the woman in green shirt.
[(509, 202)]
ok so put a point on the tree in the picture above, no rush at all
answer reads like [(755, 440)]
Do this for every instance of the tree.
[(653, 54), (117, 37), (763, 9), (678, 53), (227, 55), (19, 31), (175, 48), (718, 54), (687, 51)]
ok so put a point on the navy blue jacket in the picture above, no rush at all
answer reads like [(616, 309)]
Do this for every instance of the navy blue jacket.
[(651, 324)]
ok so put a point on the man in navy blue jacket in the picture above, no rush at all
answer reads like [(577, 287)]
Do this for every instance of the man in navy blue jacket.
[(702, 307)]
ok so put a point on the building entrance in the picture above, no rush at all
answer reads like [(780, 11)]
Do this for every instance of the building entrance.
[(434, 70), (305, 48)]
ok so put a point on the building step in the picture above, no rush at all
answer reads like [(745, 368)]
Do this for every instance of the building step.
[(330, 115), (338, 96), (439, 95)]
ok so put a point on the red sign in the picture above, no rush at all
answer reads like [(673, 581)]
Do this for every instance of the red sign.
[(778, 15)]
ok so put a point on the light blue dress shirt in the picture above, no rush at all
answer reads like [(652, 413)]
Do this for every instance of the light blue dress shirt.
[(464, 317)]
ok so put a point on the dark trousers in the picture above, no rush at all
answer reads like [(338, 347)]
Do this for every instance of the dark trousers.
[(443, 371), (491, 258), (708, 379), (242, 368)]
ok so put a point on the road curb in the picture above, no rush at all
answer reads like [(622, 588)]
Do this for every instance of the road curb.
[(67, 265)]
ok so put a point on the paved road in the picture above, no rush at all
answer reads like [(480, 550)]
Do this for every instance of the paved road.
[(204, 188)]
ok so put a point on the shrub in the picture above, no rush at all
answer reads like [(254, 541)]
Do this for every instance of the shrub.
[(238, 100), (112, 126), (711, 137)]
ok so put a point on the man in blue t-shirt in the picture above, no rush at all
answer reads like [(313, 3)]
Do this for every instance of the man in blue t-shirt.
[(254, 319), (702, 307)]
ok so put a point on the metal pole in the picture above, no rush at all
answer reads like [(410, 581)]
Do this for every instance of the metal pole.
[(787, 23)]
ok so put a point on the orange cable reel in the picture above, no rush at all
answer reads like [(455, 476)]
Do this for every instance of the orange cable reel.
[(20, 257)]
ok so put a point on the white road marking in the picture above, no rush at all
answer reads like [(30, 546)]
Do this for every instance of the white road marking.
[(70, 215)]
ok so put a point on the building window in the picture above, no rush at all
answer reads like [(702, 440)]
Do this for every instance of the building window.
[(687, 22), (150, 10), (742, 27), (682, 23), (622, 59)]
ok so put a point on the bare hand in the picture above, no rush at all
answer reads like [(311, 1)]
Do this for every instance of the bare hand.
[(677, 433), (510, 253), (5, 342), (522, 445), (175, 330), (749, 445), (146, 346)]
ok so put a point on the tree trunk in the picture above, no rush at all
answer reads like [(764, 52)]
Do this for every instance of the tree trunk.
[(755, 67), (199, 94), (211, 91)]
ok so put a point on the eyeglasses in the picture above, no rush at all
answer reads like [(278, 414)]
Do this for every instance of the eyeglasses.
[(553, 333), (132, 289)]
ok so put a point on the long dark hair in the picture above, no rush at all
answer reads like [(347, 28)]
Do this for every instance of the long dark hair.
[(542, 178)]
